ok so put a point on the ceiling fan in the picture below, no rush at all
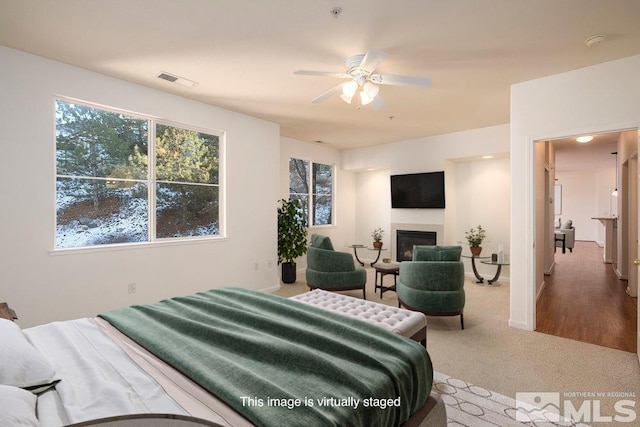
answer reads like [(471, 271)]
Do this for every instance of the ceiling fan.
[(362, 80)]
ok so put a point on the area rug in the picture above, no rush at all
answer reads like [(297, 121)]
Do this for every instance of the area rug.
[(472, 406)]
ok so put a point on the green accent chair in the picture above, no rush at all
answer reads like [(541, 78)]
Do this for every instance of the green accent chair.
[(331, 270), (433, 282)]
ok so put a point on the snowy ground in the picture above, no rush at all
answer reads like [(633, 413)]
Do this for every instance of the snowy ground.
[(128, 224)]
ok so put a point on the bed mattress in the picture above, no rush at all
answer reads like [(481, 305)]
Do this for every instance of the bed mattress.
[(105, 374)]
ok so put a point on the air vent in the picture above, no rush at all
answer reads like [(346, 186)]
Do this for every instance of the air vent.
[(177, 79), (167, 77)]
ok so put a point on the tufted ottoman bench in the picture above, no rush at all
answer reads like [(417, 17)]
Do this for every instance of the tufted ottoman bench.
[(410, 324)]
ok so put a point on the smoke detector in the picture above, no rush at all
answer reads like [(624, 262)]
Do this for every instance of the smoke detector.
[(595, 40)]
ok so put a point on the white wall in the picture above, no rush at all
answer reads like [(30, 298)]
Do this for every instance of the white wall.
[(600, 98), (342, 233), (586, 195), (373, 210), (43, 287), (477, 192), (483, 197)]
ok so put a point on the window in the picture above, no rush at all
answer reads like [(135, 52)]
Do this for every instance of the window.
[(312, 184), (125, 179)]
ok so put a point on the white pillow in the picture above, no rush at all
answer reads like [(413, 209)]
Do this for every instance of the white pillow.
[(17, 407), (21, 364)]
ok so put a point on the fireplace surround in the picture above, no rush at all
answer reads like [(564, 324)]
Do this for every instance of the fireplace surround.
[(436, 229), (407, 239)]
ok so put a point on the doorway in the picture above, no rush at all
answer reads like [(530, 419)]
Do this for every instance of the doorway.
[(580, 296), (585, 301)]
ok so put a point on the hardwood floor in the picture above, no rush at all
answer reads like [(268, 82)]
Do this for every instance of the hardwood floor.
[(584, 300)]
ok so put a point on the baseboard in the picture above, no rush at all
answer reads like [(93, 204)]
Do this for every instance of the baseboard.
[(473, 277), (620, 275), (271, 289), (549, 272), (544, 283), (519, 325)]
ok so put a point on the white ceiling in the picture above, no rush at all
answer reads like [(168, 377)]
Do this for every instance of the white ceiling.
[(243, 53), (575, 157)]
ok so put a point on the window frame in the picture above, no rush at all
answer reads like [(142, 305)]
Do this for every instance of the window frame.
[(311, 194), (151, 180)]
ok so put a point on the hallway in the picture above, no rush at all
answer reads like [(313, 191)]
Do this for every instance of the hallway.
[(584, 300)]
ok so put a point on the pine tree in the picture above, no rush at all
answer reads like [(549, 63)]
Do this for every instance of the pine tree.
[(184, 159), (94, 143)]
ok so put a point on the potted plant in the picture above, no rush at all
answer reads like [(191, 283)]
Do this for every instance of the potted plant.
[(475, 237), (292, 237), (377, 235)]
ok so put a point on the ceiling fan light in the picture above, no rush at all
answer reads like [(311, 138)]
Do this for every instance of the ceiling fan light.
[(370, 89), (346, 98), (349, 89), (365, 98), (368, 93)]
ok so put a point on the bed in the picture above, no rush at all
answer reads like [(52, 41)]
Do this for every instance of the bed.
[(224, 357)]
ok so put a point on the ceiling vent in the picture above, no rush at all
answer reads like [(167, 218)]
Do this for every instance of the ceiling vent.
[(177, 80)]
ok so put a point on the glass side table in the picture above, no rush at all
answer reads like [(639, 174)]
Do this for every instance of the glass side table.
[(479, 278), (355, 252), (497, 263)]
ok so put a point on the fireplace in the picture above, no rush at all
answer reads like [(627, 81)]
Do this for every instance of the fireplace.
[(407, 239)]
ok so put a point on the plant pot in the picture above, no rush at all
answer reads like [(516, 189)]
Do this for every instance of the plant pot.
[(288, 272), (377, 245), (475, 250)]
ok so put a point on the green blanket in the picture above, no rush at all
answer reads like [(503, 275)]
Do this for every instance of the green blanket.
[(281, 362)]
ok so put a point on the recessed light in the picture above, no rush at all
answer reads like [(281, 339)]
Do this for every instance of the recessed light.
[(487, 157), (584, 138)]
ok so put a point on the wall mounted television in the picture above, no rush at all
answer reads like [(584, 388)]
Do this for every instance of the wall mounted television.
[(418, 190)]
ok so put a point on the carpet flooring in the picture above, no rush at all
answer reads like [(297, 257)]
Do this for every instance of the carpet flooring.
[(494, 356)]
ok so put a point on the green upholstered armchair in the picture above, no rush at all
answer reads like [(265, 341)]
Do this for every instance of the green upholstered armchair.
[(433, 282), (331, 270)]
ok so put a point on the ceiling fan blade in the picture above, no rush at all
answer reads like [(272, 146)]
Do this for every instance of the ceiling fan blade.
[(334, 90), (322, 73), (390, 79), (372, 60)]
